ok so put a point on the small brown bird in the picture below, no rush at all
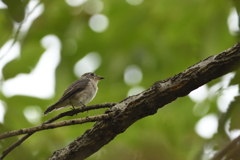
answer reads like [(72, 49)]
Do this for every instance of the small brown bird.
[(79, 93)]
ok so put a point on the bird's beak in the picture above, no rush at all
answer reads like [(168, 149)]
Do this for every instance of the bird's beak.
[(100, 78)]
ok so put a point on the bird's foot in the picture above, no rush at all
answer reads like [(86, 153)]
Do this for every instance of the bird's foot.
[(73, 108)]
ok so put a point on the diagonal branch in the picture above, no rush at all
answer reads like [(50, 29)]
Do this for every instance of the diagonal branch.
[(45, 126), (148, 102), (228, 151), (68, 113)]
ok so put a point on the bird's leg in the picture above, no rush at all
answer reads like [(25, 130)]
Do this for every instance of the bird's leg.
[(82, 104), (72, 105)]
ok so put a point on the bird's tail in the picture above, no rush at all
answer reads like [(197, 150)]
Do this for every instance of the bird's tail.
[(49, 109), (57, 106)]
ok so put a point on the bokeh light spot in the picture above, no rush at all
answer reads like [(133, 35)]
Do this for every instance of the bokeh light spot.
[(98, 23), (75, 3), (199, 94), (36, 10), (33, 114), (89, 63), (9, 52), (207, 126), (41, 81), (134, 2), (234, 133), (227, 97), (233, 22), (132, 75), (2, 112), (2, 5)]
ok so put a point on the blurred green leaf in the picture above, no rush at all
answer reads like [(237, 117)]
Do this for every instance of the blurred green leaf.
[(235, 107), (162, 38), (16, 9)]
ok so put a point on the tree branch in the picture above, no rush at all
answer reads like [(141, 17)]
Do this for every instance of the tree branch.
[(148, 102), (68, 113), (56, 125), (80, 110), (228, 152)]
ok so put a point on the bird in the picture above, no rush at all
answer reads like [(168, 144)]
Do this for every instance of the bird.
[(79, 93)]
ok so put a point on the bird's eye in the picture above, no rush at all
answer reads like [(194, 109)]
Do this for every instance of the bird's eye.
[(92, 74)]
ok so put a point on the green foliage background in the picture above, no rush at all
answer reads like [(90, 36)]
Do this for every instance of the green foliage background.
[(162, 37)]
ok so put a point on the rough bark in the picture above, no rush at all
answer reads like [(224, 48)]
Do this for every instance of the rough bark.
[(148, 102)]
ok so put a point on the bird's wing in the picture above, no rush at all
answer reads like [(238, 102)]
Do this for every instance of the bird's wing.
[(75, 87)]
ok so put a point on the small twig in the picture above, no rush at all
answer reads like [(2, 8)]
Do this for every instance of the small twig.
[(16, 35), (68, 113), (56, 125)]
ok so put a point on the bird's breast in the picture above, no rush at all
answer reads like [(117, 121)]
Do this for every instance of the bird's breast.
[(85, 96)]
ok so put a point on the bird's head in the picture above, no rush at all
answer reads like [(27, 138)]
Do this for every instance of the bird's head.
[(92, 76)]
